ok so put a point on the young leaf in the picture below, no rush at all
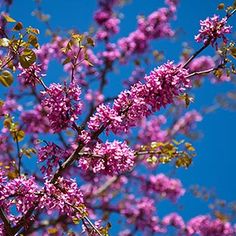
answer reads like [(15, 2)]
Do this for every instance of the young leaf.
[(6, 78), (32, 39), (18, 26), (4, 42), (8, 18), (27, 58)]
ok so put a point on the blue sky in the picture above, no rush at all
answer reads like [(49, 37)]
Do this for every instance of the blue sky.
[(214, 167)]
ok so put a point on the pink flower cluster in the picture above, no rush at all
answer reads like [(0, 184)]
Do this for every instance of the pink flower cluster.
[(160, 88), (108, 158), (186, 122), (53, 155), (212, 29), (62, 104), (30, 76), (24, 192), (140, 212), (61, 196), (94, 96), (156, 25), (110, 54), (35, 120), (108, 22), (205, 226), (151, 130), (9, 105), (164, 186), (174, 220), (201, 63)]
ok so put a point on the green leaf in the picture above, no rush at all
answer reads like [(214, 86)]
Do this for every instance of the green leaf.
[(27, 58), (32, 39), (184, 161), (233, 52), (8, 18), (18, 135), (221, 6), (66, 61), (18, 26), (4, 42), (6, 78), (32, 30), (90, 42)]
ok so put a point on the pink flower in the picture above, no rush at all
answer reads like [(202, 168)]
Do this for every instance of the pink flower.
[(61, 196), (205, 226), (164, 186), (30, 76), (62, 104), (212, 29), (109, 158), (35, 120), (52, 155), (186, 122), (162, 86), (175, 220), (151, 130)]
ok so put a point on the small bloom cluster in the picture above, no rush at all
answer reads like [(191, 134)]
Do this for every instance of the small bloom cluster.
[(6, 147), (212, 29), (156, 25), (141, 213), (201, 63), (94, 96), (107, 21), (35, 120), (174, 220), (61, 196), (186, 122), (30, 76), (104, 116), (110, 54), (137, 75), (162, 86), (109, 158), (164, 186), (151, 130), (53, 155), (62, 104), (8, 106), (24, 191), (205, 226)]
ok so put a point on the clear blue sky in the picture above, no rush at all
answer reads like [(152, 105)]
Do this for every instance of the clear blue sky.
[(215, 164)]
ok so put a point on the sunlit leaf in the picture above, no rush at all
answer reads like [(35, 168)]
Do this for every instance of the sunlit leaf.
[(27, 58), (6, 78), (28, 151), (52, 230), (18, 135), (184, 161), (90, 42), (8, 18), (66, 61), (32, 39), (32, 30), (233, 52), (221, 6), (12, 174), (18, 26), (4, 42)]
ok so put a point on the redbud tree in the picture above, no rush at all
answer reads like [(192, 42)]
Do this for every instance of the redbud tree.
[(80, 157)]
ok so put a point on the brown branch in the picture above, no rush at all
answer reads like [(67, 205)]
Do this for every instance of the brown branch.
[(7, 224)]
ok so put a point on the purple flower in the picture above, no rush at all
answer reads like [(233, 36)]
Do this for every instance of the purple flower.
[(212, 29), (62, 104)]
